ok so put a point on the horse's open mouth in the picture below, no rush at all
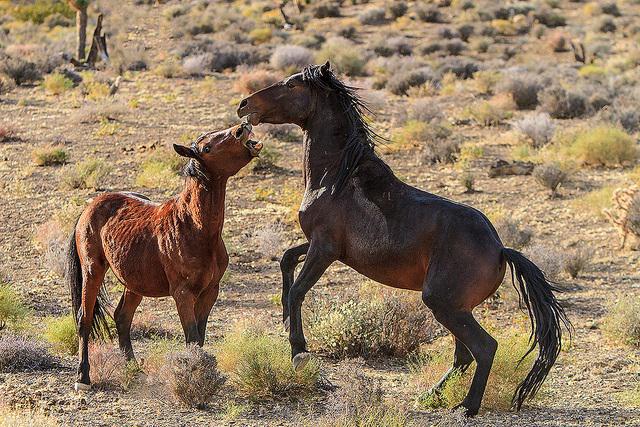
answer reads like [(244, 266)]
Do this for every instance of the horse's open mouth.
[(254, 147)]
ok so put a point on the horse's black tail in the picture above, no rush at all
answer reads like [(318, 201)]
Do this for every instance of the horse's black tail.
[(547, 320), (73, 275)]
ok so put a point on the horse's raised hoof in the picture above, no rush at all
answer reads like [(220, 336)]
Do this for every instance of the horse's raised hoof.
[(287, 323), (300, 360), (81, 387)]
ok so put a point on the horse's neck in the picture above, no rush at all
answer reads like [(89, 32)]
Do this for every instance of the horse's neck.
[(204, 205), (324, 141)]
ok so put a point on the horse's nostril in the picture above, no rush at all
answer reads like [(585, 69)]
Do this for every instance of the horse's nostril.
[(239, 132), (243, 103)]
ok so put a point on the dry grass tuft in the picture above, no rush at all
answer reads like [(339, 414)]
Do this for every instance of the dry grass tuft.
[(61, 333), (550, 176), (194, 378), (623, 322), (505, 376), (259, 366), (89, 174), (109, 368), (49, 156), (13, 311)]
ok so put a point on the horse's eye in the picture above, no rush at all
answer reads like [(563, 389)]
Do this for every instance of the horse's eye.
[(206, 149), (290, 84)]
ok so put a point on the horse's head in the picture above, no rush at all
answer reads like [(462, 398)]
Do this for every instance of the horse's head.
[(288, 101), (222, 153)]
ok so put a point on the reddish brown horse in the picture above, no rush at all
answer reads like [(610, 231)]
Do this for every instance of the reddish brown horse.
[(157, 250), (356, 211)]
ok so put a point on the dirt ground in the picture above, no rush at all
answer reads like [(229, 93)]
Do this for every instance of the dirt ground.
[(585, 385)]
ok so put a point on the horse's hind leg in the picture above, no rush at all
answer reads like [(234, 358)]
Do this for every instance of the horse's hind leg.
[(462, 359), (123, 316), (290, 259), (92, 278), (482, 346)]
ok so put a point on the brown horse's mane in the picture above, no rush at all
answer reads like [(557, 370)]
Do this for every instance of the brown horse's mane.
[(361, 138)]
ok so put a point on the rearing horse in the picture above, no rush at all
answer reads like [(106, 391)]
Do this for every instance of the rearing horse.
[(356, 211)]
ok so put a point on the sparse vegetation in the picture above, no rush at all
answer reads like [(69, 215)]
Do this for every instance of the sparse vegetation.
[(344, 56), (603, 145), (575, 261), (49, 156), (87, 174), (61, 333), (623, 322), (289, 58), (194, 379), (550, 176), (512, 234), (537, 128), (260, 367), (12, 308), (507, 372), (253, 81)]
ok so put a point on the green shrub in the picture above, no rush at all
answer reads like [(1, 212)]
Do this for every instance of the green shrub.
[(57, 84), (506, 374), (49, 156), (38, 10), (260, 367), (603, 145), (12, 308), (623, 321), (486, 113), (161, 170), (61, 333), (595, 201), (343, 55), (371, 325), (87, 174)]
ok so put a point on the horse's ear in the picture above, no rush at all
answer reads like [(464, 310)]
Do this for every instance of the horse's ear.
[(325, 68), (185, 151)]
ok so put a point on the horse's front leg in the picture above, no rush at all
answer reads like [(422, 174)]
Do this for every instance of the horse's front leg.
[(319, 257), (185, 303), (290, 259), (204, 304)]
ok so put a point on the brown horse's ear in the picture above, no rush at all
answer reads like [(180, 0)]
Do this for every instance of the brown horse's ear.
[(185, 151)]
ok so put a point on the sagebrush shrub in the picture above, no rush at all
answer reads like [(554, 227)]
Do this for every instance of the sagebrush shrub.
[(254, 80), (49, 156), (344, 56), (325, 9), (372, 16), (269, 240), (260, 366), (563, 104), (194, 377), (398, 8), (61, 333), (12, 309), (99, 112), (20, 71), (547, 259), (487, 113), (539, 128), (400, 82), (575, 261), (290, 58), (623, 321), (87, 174), (108, 366), (429, 14), (603, 145), (512, 234), (550, 176), (387, 324), (196, 65), (524, 90), (360, 402), (19, 353)]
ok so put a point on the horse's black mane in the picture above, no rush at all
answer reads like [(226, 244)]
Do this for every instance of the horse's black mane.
[(194, 168), (361, 139)]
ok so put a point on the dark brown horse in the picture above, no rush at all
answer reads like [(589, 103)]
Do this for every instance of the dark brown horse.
[(356, 211), (156, 250)]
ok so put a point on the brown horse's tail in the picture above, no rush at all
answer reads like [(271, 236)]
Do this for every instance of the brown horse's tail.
[(73, 275), (547, 320)]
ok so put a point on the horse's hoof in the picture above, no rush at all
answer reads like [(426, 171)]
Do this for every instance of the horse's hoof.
[(81, 387), (300, 360), (465, 411), (287, 323)]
